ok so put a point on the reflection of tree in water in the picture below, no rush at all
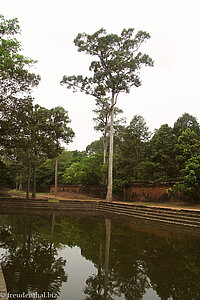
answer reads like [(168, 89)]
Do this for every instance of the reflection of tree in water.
[(108, 283), (101, 286), (173, 265), (137, 260), (170, 266), (30, 263)]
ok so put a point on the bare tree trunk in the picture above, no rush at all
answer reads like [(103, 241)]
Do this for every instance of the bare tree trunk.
[(20, 180), (107, 255), (20, 186), (104, 147), (34, 182), (28, 182), (110, 166), (56, 177), (104, 154)]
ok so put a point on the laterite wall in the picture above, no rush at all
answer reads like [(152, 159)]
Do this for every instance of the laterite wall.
[(94, 191), (155, 192), (137, 191)]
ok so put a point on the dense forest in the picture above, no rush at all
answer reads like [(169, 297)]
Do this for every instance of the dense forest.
[(168, 153), (31, 136)]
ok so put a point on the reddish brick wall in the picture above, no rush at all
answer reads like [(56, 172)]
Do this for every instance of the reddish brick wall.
[(95, 191), (149, 192), (155, 192)]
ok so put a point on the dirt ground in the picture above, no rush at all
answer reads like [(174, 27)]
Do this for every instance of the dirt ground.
[(60, 195), (76, 196), (67, 196)]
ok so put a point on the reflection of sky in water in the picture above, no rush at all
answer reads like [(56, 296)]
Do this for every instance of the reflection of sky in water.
[(150, 295), (141, 256), (78, 269), (2, 253)]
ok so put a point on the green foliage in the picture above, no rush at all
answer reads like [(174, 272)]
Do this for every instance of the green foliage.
[(132, 150), (86, 172), (188, 149), (184, 122), (117, 66), (102, 120), (14, 75), (36, 134), (187, 146), (162, 153), (95, 147), (6, 177), (46, 170)]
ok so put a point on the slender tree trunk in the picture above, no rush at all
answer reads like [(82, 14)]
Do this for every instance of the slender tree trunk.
[(104, 154), (20, 186), (28, 182), (34, 182), (104, 147), (20, 180), (107, 255), (110, 166), (56, 177)]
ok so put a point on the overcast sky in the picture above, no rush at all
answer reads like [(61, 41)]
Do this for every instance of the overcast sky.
[(168, 89)]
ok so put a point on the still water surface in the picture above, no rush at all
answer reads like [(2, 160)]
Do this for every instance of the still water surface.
[(79, 258)]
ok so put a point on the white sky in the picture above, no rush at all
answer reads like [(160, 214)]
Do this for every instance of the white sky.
[(168, 89)]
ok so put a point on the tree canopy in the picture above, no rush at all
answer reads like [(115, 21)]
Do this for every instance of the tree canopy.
[(15, 76)]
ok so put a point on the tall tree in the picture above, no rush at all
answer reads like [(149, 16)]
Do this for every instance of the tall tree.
[(48, 129), (37, 135), (115, 70)]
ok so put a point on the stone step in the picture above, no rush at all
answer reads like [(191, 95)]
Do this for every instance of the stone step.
[(154, 218), (175, 216), (194, 217), (179, 218), (165, 211)]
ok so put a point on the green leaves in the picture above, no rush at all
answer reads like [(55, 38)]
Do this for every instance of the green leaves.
[(87, 171), (184, 122), (118, 61), (15, 77), (187, 150)]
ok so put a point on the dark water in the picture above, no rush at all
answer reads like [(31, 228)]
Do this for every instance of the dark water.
[(79, 257)]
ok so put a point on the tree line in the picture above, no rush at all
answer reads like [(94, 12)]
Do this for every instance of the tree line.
[(170, 153)]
